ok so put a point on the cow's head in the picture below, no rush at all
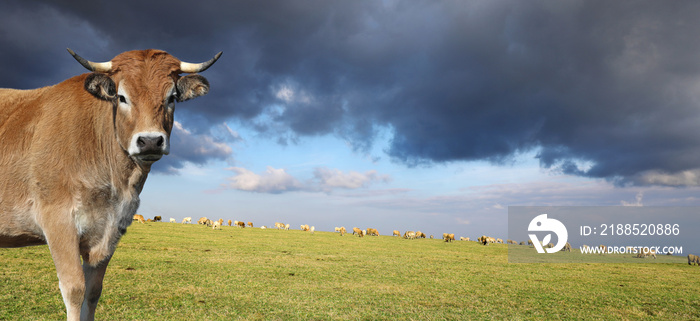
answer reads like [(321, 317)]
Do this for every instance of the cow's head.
[(144, 86)]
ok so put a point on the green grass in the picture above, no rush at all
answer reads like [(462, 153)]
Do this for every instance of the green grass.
[(164, 271)]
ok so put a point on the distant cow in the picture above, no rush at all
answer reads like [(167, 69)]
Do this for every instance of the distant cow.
[(202, 220), (448, 237), (250, 224), (279, 225), (172, 220), (186, 220), (286, 227), (139, 217), (157, 219), (312, 229), (693, 259), (305, 227), (372, 232), (396, 233), (409, 235), (647, 252), (357, 231), (420, 235), (216, 225), (229, 222), (461, 238), (241, 224), (221, 222), (342, 231), (567, 247)]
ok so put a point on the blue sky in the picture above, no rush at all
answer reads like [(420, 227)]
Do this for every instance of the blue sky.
[(421, 115)]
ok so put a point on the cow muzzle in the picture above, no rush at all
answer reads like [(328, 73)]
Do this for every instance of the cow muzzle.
[(149, 147)]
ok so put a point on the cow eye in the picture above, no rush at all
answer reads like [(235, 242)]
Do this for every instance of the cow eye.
[(122, 99)]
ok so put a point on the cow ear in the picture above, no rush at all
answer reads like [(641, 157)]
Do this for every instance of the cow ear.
[(101, 86), (191, 86)]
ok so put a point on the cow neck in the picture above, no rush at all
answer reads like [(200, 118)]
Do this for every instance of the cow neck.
[(124, 172)]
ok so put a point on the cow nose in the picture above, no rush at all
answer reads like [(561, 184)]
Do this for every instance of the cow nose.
[(149, 143)]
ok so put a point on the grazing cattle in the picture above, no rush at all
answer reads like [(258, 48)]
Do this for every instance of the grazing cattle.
[(372, 232), (172, 220), (229, 222), (693, 259), (149, 220), (209, 223), (357, 231), (567, 247), (448, 237), (420, 234), (312, 229), (305, 227), (186, 220), (461, 238), (337, 229), (75, 157), (409, 235), (342, 231), (240, 224), (202, 221), (279, 225), (139, 217), (221, 222), (157, 219), (216, 225), (522, 243), (250, 224), (396, 233), (499, 241), (286, 227), (529, 242), (263, 227), (647, 252)]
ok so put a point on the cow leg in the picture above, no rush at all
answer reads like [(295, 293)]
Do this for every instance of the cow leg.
[(62, 238), (93, 286)]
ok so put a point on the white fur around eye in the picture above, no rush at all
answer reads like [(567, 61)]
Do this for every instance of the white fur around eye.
[(123, 97)]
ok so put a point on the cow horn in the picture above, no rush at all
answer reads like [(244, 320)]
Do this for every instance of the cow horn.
[(189, 68), (92, 66)]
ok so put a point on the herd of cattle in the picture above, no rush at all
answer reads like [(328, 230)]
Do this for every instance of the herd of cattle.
[(447, 237)]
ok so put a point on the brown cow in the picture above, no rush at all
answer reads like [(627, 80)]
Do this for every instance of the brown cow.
[(448, 237), (250, 224), (229, 222), (240, 224), (75, 156), (372, 231), (157, 219), (139, 217), (357, 231), (396, 233), (342, 230)]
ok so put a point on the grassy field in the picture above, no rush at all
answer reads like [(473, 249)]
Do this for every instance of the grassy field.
[(164, 271)]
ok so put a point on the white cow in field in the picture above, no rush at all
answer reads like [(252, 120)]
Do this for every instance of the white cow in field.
[(187, 220), (172, 220)]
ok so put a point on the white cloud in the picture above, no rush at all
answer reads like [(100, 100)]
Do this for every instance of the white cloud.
[(334, 178), (272, 181), (684, 178), (638, 199), (279, 181)]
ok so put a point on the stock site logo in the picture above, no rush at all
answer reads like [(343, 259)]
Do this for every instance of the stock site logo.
[(543, 224)]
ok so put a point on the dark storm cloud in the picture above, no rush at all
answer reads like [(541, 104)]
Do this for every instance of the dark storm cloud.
[(599, 89)]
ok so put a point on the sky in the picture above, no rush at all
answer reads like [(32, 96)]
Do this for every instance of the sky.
[(408, 115)]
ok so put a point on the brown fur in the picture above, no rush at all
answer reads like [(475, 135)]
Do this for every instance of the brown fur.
[(357, 231), (66, 178)]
